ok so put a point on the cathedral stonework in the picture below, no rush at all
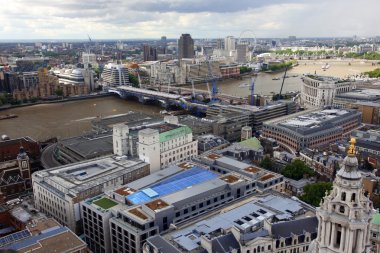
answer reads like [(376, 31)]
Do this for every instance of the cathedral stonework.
[(345, 214)]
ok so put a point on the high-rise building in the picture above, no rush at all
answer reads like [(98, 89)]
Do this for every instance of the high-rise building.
[(149, 53), (115, 75), (241, 53), (58, 191), (185, 46), (345, 214), (229, 43)]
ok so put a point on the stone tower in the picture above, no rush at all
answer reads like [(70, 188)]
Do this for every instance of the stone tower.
[(345, 214)]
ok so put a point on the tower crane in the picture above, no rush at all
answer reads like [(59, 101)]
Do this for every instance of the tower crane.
[(214, 88)]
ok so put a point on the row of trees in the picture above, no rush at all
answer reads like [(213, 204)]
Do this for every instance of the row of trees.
[(245, 69), (367, 55), (374, 73), (279, 66), (303, 52)]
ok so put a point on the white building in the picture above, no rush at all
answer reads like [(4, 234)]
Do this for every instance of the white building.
[(319, 91), (58, 191), (345, 214), (89, 58), (229, 43), (162, 145), (76, 77), (115, 75)]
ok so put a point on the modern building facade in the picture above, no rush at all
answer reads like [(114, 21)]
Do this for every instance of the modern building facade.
[(170, 197), (185, 46), (58, 191), (362, 95), (319, 91), (311, 129), (115, 75), (345, 214), (229, 43), (149, 53)]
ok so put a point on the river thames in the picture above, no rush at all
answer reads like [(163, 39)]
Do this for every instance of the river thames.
[(73, 118)]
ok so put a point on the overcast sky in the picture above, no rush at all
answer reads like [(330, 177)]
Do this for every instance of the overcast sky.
[(128, 19)]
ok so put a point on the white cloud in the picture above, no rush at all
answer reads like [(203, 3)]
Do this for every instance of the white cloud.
[(118, 19)]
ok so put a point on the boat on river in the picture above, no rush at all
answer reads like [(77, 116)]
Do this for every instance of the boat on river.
[(8, 116)]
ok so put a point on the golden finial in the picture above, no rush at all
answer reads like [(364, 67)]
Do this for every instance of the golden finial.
[(351, 148)]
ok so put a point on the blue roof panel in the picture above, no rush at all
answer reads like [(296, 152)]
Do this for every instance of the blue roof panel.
[(182, 180)]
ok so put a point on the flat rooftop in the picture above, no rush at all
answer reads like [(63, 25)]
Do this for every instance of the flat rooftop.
[(361, 94), (180, 181), (87, 174), (44, 236), (314, 119), (88, 146), (243, 217), (132, 119)]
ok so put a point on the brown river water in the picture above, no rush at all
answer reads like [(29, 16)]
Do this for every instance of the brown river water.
[(68, 119)]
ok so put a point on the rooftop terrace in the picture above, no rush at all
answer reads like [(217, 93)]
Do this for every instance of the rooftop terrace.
[(105, 203)]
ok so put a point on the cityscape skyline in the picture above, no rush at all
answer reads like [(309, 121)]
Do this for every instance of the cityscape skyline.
[(212, 19)]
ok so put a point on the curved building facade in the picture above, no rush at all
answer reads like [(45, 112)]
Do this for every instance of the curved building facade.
[(115, 75), (319, 91)]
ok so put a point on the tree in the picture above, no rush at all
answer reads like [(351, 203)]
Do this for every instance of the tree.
[(266, 163), (313, 193), (297, 170), (133, 80), (59, 92), (245, 69)]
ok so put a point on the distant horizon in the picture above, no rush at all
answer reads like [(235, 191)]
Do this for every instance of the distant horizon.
[(57, 40)]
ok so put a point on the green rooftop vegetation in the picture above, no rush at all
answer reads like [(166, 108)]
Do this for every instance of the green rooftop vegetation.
[(105, 203), (252, 143), (376, 219), (172, 134)]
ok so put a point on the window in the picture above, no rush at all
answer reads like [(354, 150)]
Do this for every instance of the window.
[(343, 196)]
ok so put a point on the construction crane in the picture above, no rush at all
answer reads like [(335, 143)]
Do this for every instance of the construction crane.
[(282, 85), (252, 89), (214, 88)]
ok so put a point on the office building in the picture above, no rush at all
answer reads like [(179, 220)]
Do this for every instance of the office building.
[(168, 198), (41, 236), (149, 53), (75, 81), (199, 71), (165, 144), (58, 191), (311, 129), (185, 46), (229, 70), (229, 43), (349, 99), (319, 91), (209, 142), (115, 75), (268, 224), (241, 53), (28, 64), (345, 214), (89, 59)]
